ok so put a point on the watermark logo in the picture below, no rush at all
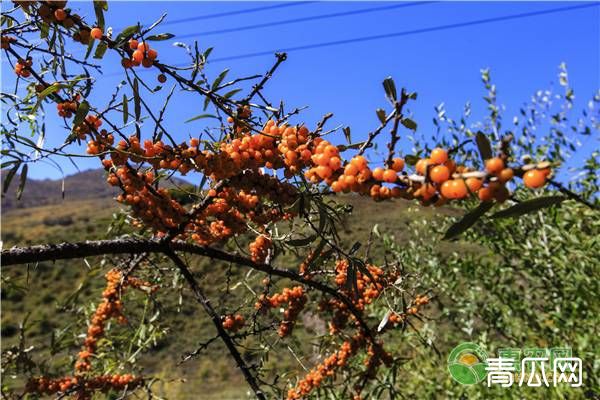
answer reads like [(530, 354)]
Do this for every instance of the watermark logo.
[(467, 363)]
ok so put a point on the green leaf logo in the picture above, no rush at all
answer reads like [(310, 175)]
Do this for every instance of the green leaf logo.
[(467, 363)]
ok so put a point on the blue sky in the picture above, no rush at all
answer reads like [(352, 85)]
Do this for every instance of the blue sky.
[(442, 66)]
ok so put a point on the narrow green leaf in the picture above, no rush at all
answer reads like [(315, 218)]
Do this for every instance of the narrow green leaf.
[(231, 93), (390, 89), (100, 50), (201, 116), (9, 176), (219, 79), (529, 206), (347, 135), (381, 115), (99, 7), (160, 36), (484, 146), (44, 30), (409, 124), (411, 159), (126, 34), (301, 242), (206, 102), (89, 48), (468, 220), (137, 107), (22, 181), (125, 109)]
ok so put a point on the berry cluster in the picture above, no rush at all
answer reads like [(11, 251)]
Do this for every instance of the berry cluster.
[(295, 298), (80, 387), (54, 12), (259, 249), (142, 55), (23, 68), (5, 42), (68, 108), (398, 318), (233, 323), (327, 368)]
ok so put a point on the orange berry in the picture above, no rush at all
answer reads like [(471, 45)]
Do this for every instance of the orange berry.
[(494, 165), (506, 175), (359, 162), (324, 172), (133, 44), (147, 63), (485, 194), (534, 179), (350, 170), (162, 78), (474, 184), (143, 47), (439, 156), (389, 175), (397, 164), (378, 174), (60, 14), (454, 189), (96, 33), (439, 174), (421, 166), (152, 54), (138, 56)]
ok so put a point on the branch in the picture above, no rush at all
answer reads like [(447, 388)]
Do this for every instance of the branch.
[(63, 251), (216, 320)]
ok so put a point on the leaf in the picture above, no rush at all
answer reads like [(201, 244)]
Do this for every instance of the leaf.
[(137, 108), (409, 124), (160, 36), (346, 131), (484, 146), (99, 7), (126, 33), (384, 321), (82, 110), (219, 79), (381, 115), (9, 176), (528, 206), (89, 48), (125, 109), (301, 242), (390, 89), (100, 50), (206, 103), (49, 90), (411, 159), (231, 93), (44, 29), (22, 181), (468, 220), (201, 116)]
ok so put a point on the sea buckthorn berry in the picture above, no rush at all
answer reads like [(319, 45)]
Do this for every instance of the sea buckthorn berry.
[(152, 54), (133, 44), (438, 156), (534, 179), (506, 175), (485, 194), (60, 14), (474, 184), (494, 165), (389, 176), (359, 162), (454, 189), (96, 33), (378, 173), (147, 63), (421, 166), (137, 56), (143, 47), (397, 164), (439, 174)]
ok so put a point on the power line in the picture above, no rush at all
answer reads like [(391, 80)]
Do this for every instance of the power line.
[(238, 12), (306, 19), (404, 33)]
